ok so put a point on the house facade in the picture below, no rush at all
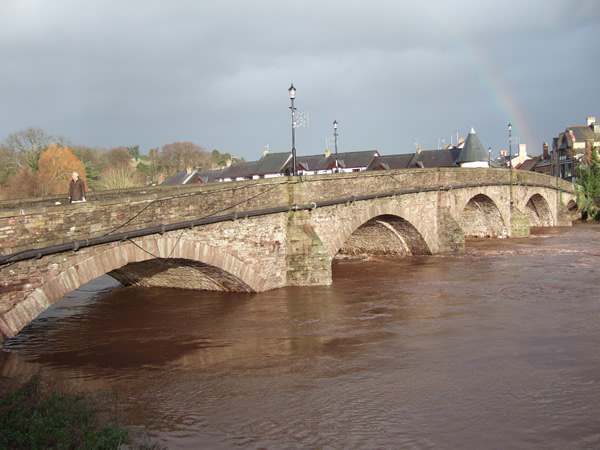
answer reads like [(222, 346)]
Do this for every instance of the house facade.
[(570, 146)]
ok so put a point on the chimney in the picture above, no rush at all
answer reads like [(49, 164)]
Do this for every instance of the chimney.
[(589, 143), (265, 151), (419, 149), (327, 153), (545, 150), (188, 169), (590, 121)]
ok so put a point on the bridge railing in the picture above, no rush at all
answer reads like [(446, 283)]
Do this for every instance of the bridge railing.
[(43, 226)]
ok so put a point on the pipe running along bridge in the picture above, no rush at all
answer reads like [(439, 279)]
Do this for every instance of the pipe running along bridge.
[(258, 235)]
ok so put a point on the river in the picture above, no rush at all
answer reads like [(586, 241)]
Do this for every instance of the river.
[(497, 348)]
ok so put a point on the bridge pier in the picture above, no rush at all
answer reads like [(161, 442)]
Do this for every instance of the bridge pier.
[(519, 223), (308, 262)]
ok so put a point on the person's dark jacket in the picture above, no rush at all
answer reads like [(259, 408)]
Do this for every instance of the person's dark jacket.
[(77, 190)]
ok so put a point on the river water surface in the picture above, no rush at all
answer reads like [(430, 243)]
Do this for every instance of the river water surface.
[(498, 348)]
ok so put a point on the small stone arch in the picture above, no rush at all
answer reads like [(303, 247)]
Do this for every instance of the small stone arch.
[(385, 235), (538, 212), (482, 218), (572, 208)]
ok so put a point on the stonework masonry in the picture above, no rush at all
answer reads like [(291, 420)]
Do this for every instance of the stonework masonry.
[(407, 212)]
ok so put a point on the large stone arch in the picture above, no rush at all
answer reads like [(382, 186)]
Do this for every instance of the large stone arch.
[(221, 270), (482, 218), (385, 235), (394, 219), (538, 211)]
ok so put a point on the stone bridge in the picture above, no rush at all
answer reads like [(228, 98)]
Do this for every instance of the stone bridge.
[(258, 235)]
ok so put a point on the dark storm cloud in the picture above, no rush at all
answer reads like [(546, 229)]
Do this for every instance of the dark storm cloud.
[(108, 73)]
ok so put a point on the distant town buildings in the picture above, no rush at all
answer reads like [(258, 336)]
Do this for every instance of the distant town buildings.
[(567, 148)]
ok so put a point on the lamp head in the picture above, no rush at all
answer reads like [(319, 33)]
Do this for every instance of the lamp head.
[(292, 90)]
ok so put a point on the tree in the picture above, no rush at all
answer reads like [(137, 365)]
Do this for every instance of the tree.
[(55, 168), (23, 184), (118, 157), (91, 159), (119, 178), (25, 147), (588, 186), (179, 156)]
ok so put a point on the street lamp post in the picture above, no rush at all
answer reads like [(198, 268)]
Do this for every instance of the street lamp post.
[(292, 91), (489, 156), (509, 146), (510, 165), (335, 135)]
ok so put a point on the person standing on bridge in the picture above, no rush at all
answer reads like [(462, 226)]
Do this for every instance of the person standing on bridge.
[(76, 189)]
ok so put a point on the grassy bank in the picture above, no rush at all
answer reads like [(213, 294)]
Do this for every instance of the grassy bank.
[(34, 415)]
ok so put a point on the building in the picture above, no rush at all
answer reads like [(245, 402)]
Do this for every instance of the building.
[(571, 145), (473, 154), (469, 153)]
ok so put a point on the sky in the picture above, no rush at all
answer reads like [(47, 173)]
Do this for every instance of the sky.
[(394, 74)]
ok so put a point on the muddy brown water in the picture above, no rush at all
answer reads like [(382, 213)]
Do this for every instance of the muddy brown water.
[(498, 348)]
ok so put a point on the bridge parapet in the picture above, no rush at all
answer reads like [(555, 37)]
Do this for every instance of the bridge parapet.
[(26, 228)]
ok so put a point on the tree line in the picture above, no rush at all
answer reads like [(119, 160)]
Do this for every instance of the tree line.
[(36, 164)]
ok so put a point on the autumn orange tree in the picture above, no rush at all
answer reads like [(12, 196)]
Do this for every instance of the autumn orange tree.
[(55, 168)]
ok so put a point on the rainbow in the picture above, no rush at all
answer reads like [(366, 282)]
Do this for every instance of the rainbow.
[(497, 87)]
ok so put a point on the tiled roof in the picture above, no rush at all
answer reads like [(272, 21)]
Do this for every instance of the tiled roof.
[(435, 158), (348, 160), (390, 162), (581, 132), (178, 178), (473, 150), (357, 159), (272, 163), (312, 163), (205, 176), (239, 170), (528, 164)]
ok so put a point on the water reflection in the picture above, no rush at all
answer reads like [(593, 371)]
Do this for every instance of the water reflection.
[(496, 348)]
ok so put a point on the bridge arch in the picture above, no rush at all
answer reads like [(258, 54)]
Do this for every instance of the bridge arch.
[(395, 222), (179, 259), (385, 235), (482, 218), (538, 211)]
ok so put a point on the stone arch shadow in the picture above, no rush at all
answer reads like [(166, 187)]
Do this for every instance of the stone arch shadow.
[(385, 235), (481, 218), (378, 231), (197, 256), (538, 211)]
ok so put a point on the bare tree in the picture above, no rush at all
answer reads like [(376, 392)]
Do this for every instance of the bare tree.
[(181, 155), (26, 146), (119, 178)]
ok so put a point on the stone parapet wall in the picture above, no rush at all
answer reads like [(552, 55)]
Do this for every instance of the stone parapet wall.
[(34, 227), (23, 229)]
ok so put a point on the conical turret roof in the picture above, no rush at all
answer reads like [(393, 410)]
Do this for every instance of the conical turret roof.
[(472, 150)]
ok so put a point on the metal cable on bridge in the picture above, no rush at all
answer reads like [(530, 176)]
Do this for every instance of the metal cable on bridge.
[(204, 217), (197, 193)]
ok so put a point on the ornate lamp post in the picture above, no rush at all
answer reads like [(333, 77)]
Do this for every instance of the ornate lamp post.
[(510, 165), (509, 146), (292, 91), (489, 156), (335, 135)]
